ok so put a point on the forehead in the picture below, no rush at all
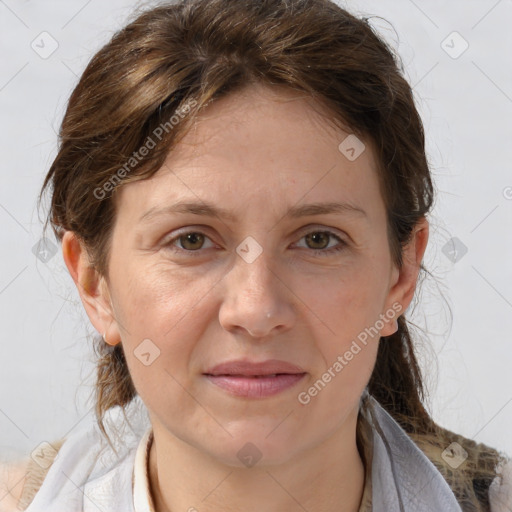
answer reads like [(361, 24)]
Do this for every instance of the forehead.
[(261, 117), (262, 145)]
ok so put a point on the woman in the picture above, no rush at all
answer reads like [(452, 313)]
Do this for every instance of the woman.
[(241, 192)]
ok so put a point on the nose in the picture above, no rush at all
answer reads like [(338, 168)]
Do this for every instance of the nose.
[(257, 301)]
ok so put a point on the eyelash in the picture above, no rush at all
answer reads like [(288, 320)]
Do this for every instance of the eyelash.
[(318, 252)]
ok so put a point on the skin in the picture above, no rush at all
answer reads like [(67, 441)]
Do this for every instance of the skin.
[(257, 153)]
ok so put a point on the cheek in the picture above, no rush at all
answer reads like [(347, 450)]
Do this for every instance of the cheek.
[(351, 302), (347, 345), (349, 310), (155, 297), (158, 324), (161, 327)]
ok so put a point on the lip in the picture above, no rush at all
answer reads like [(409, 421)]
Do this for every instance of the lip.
[(255, 379), (243, 367), (256, 387)]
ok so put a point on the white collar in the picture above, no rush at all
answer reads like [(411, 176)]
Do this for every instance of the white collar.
[(142, 499)]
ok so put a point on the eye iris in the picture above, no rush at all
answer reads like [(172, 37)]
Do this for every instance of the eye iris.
[(192, 238), (314, 237)]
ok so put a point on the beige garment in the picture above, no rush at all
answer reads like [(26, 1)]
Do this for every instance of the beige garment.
[(36, 473)]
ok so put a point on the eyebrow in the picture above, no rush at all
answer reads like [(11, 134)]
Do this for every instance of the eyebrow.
[(210, 210)]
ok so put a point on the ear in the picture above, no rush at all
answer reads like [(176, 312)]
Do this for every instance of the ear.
[(92, 287), (403, 280)]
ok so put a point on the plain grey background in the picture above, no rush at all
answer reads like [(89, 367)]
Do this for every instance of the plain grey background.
[(457, 58)]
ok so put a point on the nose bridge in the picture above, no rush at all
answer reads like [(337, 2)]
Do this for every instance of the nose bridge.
[(253, 271), (254, 297)]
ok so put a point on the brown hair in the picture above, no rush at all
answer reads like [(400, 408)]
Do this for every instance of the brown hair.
[(174, 59)]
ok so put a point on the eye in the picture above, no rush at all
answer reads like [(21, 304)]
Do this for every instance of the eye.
[(190, 241), (321, 238)]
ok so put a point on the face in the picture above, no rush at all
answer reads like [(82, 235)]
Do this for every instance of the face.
[(267, 278)]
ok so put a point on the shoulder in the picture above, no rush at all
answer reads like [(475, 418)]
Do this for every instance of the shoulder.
[(500, 491), (12, 480)]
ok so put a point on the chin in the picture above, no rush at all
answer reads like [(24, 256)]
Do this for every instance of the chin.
[(246, 450)]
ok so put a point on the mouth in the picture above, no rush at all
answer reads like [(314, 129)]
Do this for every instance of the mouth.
[(255, 386), (255, 379), (248, 376)]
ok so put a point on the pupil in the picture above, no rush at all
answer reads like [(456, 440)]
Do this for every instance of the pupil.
[(192, 238), (315, 235)]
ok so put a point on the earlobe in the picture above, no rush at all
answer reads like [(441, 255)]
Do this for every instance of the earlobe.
[(91, 287)]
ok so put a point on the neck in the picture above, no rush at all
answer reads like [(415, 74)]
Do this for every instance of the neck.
[(325, 478)]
